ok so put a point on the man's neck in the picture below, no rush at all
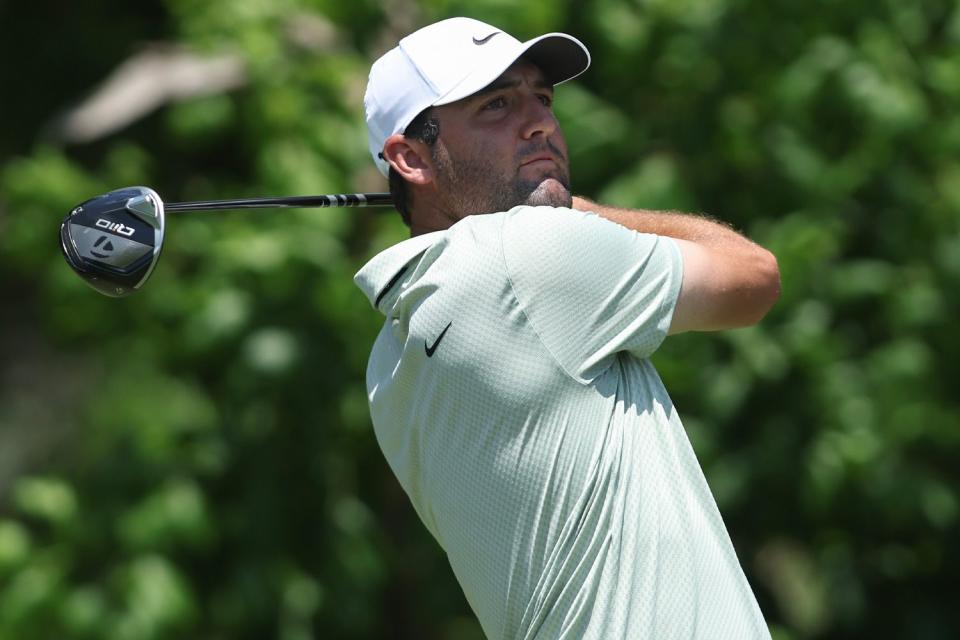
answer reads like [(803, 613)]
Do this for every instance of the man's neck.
[(419, 231), (429, 214)]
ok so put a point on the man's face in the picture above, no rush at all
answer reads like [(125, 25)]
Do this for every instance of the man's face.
[(502, 147)]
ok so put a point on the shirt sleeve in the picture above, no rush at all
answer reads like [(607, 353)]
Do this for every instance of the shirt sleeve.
[(589, 287)]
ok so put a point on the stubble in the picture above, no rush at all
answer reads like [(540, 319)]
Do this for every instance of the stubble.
[(472, 185)]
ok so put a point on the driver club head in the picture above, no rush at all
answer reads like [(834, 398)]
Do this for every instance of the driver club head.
[(113, 241)]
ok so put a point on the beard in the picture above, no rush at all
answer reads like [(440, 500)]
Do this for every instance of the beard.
[(471, 185)]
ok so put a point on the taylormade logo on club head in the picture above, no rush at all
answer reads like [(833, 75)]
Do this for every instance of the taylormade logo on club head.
[(482, 41), (116, 227)]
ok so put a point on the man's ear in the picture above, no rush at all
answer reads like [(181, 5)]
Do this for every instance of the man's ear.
[(409, 158)]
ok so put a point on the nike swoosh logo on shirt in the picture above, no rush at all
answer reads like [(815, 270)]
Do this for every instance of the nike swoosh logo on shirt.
[(485, 40), (436, 343)]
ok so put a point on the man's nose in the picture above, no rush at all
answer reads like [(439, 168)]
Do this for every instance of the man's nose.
[(538, 119)]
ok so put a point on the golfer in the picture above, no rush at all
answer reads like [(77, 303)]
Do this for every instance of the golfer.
[(510, 387)]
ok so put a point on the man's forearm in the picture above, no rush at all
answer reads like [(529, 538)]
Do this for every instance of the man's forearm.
[(694, 228)]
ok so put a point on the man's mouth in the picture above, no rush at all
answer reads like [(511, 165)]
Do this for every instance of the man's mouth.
[(539, 159)]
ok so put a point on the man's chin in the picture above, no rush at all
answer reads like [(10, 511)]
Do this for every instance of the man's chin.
[(550, 193)]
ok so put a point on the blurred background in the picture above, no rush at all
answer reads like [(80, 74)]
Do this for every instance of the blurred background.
[(196, 461)]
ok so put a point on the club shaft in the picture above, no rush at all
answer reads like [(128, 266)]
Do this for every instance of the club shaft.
[(335, 200)]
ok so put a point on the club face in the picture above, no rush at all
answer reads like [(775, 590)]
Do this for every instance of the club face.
[(113, 241)]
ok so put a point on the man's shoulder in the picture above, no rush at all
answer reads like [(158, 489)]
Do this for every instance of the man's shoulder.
[(545, 221), (545, 233), (521, 221), (532, 213)]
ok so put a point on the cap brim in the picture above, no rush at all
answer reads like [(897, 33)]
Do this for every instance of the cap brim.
[(561, 57)]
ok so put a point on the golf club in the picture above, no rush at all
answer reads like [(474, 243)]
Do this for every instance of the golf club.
[(113, 241)]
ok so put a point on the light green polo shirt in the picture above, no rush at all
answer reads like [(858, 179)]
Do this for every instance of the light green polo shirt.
[(511, 395)]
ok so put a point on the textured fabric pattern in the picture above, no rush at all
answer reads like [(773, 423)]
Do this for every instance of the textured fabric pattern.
[(537, 443)]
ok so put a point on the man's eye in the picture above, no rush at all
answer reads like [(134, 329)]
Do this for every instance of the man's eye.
[(496, 103), (546, 100)]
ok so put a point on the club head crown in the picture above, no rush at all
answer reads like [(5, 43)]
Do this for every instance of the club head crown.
[(113, 241)]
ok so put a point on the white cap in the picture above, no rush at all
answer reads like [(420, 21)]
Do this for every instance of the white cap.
[(450, 60)]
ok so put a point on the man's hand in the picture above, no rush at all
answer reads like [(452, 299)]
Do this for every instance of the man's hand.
[(728, 281)]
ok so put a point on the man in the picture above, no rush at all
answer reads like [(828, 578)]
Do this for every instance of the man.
[(510, 388)]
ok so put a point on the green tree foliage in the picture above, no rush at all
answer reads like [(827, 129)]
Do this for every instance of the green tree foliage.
[(196, 461)]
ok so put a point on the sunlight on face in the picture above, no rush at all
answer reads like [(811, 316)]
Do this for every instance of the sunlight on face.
[(503, 147)]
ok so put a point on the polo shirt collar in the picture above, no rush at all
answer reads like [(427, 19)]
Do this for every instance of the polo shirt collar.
[(383, 270)]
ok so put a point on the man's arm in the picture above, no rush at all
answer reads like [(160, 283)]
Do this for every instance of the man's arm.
[(728, 281)]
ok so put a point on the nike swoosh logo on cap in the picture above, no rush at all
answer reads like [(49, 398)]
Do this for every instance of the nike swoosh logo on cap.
[(485, 40)]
